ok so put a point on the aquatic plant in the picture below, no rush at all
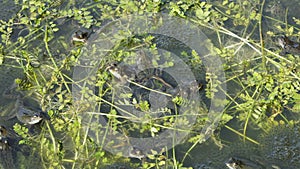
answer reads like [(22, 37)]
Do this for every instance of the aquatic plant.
[(38, 53)]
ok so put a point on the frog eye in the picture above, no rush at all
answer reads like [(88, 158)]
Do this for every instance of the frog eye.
[(2, 130), (85, 35), (36, 116)]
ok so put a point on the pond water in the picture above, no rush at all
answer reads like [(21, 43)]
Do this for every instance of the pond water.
[(276, 146)]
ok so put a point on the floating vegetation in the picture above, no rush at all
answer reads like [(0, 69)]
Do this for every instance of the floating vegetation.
[(149, 84)]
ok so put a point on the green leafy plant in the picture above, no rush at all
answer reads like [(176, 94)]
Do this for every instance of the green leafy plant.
[(263, 83)]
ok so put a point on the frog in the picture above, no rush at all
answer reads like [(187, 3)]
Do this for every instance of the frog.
[(120, 73), (242, 163), (26, 115), (7, 150), (135, 152), (288, 46), (3, 132), (79, 37), (3, 138)]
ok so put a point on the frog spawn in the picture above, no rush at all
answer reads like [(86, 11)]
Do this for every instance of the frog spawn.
[(281, 146), (279, 149)]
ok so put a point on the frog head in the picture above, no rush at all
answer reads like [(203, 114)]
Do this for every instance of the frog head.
[(28, 116), (79, 37), (282, 41)]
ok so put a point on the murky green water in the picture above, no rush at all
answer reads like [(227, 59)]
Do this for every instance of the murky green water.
[(279, 148)]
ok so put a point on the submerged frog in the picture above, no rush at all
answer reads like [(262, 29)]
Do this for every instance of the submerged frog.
[(135, 152), (6, 150), (3, 132), (80, 37), (288, 45), (241, 163), (26, 115), (119, 74), (3, 138)]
